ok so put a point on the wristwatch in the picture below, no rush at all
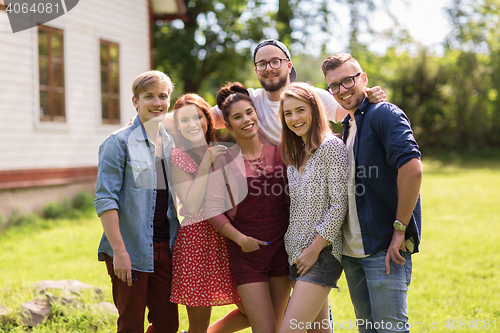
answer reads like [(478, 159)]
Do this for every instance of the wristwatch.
[(398, 225)]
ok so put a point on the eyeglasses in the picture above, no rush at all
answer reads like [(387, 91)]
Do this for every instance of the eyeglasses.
[(347, 83), (274, 64)]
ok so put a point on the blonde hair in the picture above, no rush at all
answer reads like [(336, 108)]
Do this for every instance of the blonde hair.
[(148, 79)]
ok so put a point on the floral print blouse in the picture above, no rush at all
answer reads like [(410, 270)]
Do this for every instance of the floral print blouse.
[(318, 199)]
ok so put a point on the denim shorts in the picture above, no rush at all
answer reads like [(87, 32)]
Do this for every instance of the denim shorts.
[(326, 271)]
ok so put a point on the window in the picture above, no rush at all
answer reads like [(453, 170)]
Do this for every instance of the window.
[(51, 66), (110, 82)]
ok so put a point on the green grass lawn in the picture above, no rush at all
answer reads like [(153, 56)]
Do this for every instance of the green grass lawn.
[(455, 284)]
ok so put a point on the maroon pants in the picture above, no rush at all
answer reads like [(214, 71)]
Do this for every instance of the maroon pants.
[(151, 290)]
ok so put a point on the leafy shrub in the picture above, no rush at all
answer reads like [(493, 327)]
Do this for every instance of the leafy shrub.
[(18, 219), (81, 206), (83, 201), (55, 210)]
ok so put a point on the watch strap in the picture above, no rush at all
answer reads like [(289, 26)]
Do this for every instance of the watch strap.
[(398, 225)]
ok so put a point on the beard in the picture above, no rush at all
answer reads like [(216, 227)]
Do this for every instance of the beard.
[(353, 105), (272, 87)]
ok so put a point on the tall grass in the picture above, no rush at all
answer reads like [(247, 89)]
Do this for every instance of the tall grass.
[(455, 283)]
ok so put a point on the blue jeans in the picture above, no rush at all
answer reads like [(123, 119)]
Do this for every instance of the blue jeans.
[(380, 300)]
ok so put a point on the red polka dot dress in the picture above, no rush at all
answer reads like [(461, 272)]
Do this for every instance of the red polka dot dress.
[(201, 272)]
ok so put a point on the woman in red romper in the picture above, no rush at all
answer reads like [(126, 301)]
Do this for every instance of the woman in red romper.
[(248, 183), (201, 273)]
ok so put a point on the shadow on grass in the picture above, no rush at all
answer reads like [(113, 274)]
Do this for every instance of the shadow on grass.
[(441, 162)]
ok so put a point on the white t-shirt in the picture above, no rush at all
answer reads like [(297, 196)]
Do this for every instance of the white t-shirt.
[(267, 111), (353, 241)]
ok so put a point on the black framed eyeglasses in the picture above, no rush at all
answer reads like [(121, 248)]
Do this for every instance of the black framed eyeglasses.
[(347, 83), (274, 64)]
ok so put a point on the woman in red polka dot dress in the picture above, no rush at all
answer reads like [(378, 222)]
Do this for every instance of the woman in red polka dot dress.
[(201, 273)]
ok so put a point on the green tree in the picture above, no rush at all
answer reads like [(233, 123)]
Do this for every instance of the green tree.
[(451, 100), (302, 22), (477, 77), (211, 46)]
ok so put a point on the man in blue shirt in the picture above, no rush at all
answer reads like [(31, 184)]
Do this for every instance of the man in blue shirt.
[(137, 211), (383, 227)]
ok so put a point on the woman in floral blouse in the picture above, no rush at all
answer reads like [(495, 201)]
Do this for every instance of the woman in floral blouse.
[(317, 177)]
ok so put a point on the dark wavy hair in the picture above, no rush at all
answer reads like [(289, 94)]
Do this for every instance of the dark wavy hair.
[(196, 100), (231, 93), (292, 147)]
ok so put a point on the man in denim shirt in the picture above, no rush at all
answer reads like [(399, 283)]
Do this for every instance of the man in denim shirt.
[(137, 211), (383, 227)]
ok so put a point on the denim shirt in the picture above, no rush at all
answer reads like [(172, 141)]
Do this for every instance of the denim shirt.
[(384, 142), (126, 181)]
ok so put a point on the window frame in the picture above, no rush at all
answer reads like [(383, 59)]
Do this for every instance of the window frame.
[(114, 109), (51, 117)]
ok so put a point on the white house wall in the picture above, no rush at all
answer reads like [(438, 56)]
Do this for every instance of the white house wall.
[(27, 143)]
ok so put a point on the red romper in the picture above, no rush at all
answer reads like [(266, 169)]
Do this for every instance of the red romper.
[(263, 214)]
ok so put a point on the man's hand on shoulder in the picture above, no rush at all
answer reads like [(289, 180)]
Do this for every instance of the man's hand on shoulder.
[(375, 95), (131, 121)]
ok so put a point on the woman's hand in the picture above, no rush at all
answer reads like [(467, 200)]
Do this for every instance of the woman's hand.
[(211, 154), (250, 244), (306, 260)]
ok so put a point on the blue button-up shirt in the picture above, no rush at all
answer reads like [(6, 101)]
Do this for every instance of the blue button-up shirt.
[(126, 181), (384, 142)]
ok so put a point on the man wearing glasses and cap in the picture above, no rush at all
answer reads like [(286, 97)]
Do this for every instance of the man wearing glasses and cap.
[(275, 71)]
